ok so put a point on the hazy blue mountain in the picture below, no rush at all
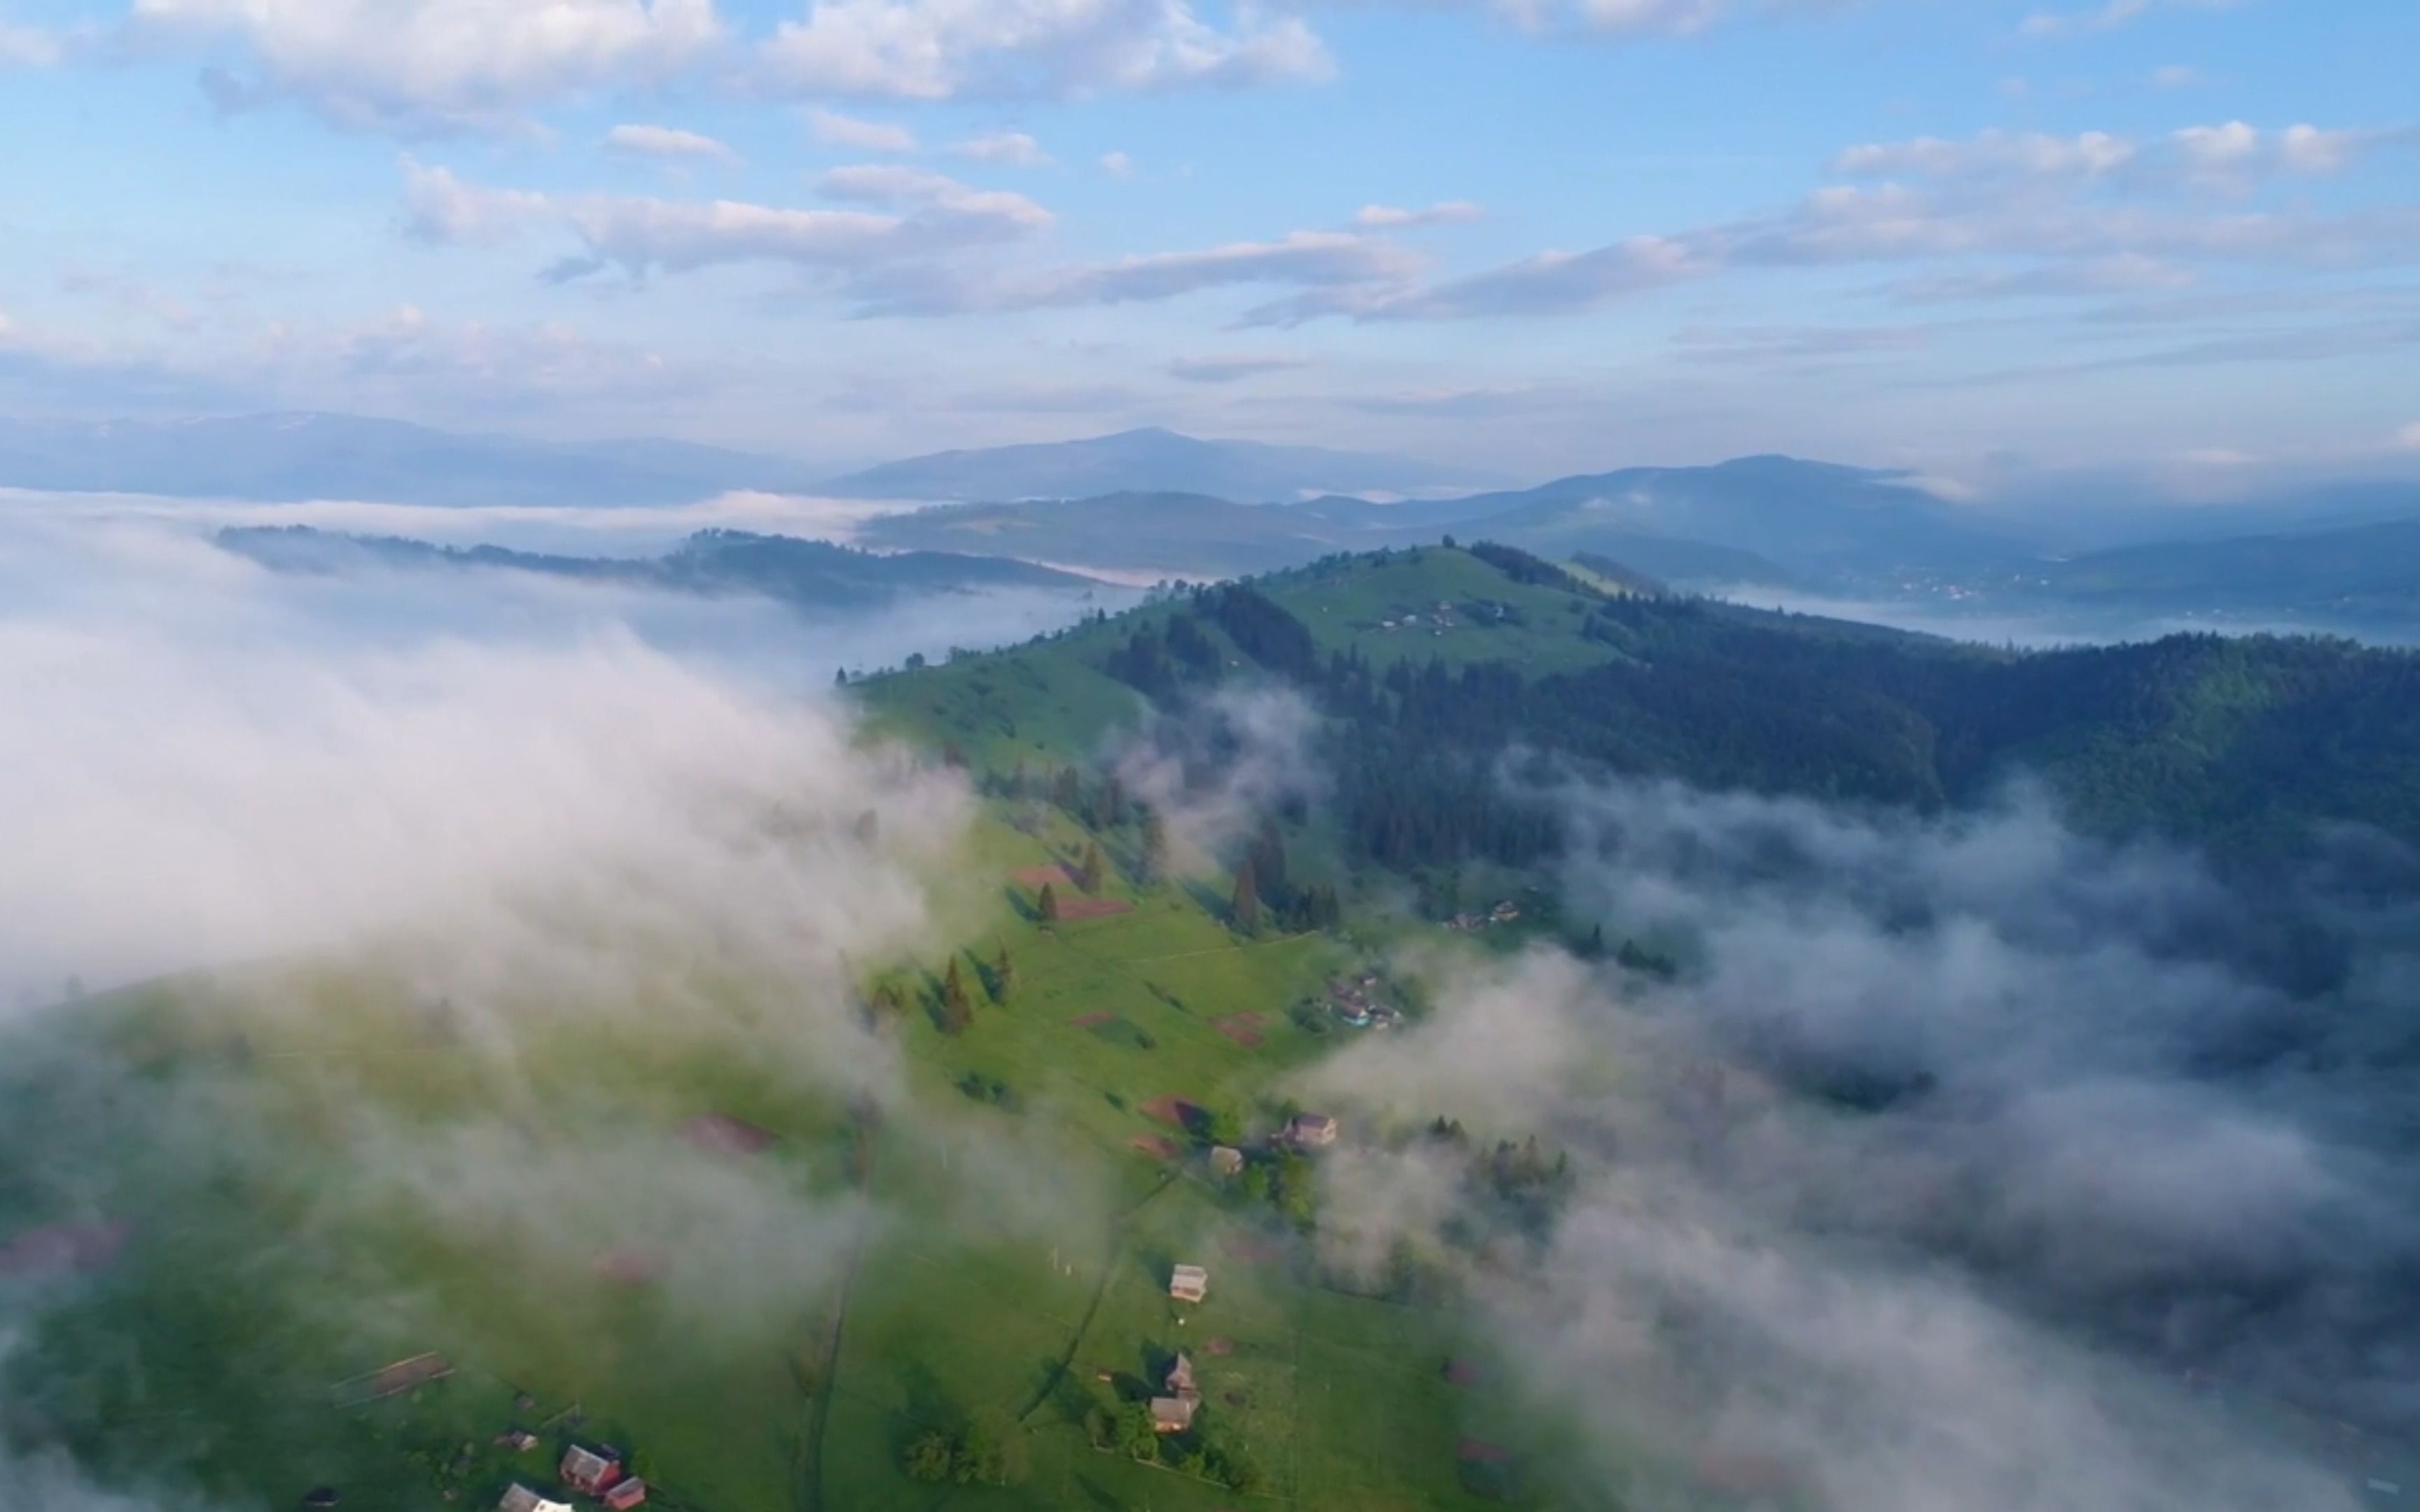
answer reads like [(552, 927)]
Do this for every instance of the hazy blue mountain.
[(2356, 571), (298, 457), (1177, 535), (1815, 521), (807, 574), (1198, 536), (1146, 461)]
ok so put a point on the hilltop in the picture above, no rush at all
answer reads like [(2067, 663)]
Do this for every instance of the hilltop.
[(1434, 660)]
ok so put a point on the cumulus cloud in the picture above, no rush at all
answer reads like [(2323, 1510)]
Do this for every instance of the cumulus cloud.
[(833, 129), (1448, 212), (2033, 154), (2409, 437), (2108, 16), (669, 144), (1948, 1137), (1117, 165), (948, 48), (444, 64), (1012, 147)]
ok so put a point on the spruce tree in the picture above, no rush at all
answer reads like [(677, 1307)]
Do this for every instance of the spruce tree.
[(1003, 976), (1245, 909), (1048, 904), (1155, 847), (1091, 870)]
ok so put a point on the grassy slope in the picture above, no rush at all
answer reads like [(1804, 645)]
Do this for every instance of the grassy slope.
[(960, 1305)]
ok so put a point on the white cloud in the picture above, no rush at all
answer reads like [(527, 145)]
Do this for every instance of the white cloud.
[(640, 234), (833, 129), (897, 184), (947, 48), (1993, 152), (668, 143), (1306, 259), (1003, 146), (28, 48), (2108, 17), (1645, 18), (2176, 75), (2235, 153), (440, 207), (2409, 437), (1233, 368), (1448, 212), (417, 64), (2046, 24), (1117, 165), (2217, 147)]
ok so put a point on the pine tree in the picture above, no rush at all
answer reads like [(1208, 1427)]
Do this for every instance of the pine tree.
[(1048, 904), (1091, 870), (1003, 976), (957, 1011), (1245, 908)]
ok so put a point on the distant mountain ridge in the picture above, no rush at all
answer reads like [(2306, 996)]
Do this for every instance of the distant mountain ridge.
[(2353, 570), (1150, 460), (806, 574)]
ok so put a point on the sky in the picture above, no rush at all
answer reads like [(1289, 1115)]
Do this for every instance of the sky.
[(1976, 236)]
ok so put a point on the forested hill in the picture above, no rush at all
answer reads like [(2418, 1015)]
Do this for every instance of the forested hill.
[(1431, 663), (811, 574)]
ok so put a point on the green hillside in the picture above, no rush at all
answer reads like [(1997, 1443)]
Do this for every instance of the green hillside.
[(1430, 661)]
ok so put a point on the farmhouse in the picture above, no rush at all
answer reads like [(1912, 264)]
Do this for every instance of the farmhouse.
[(1188, 1283), (1310, 1131), (520, 1498), (1173, 1413), (1227, 1161), (626, 1493), (589, 1472)]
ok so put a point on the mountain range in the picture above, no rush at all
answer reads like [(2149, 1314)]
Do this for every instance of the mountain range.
[(1151, 460)]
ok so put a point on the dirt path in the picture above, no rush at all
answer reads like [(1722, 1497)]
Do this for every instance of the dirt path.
[(1100, 1290), (810, 1492)]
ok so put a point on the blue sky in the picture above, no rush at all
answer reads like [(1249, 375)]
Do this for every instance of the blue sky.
[(1975, 238)]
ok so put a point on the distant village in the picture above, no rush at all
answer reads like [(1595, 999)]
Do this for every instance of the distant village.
[(1506, 912)]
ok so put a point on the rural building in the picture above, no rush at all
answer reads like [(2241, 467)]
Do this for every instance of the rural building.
[(1180, 1376), (1310, 1131), (521, 1499), (589, 1472), (1173, 1415), (1188, 1283), (626, 1493), (1227, 1160)]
